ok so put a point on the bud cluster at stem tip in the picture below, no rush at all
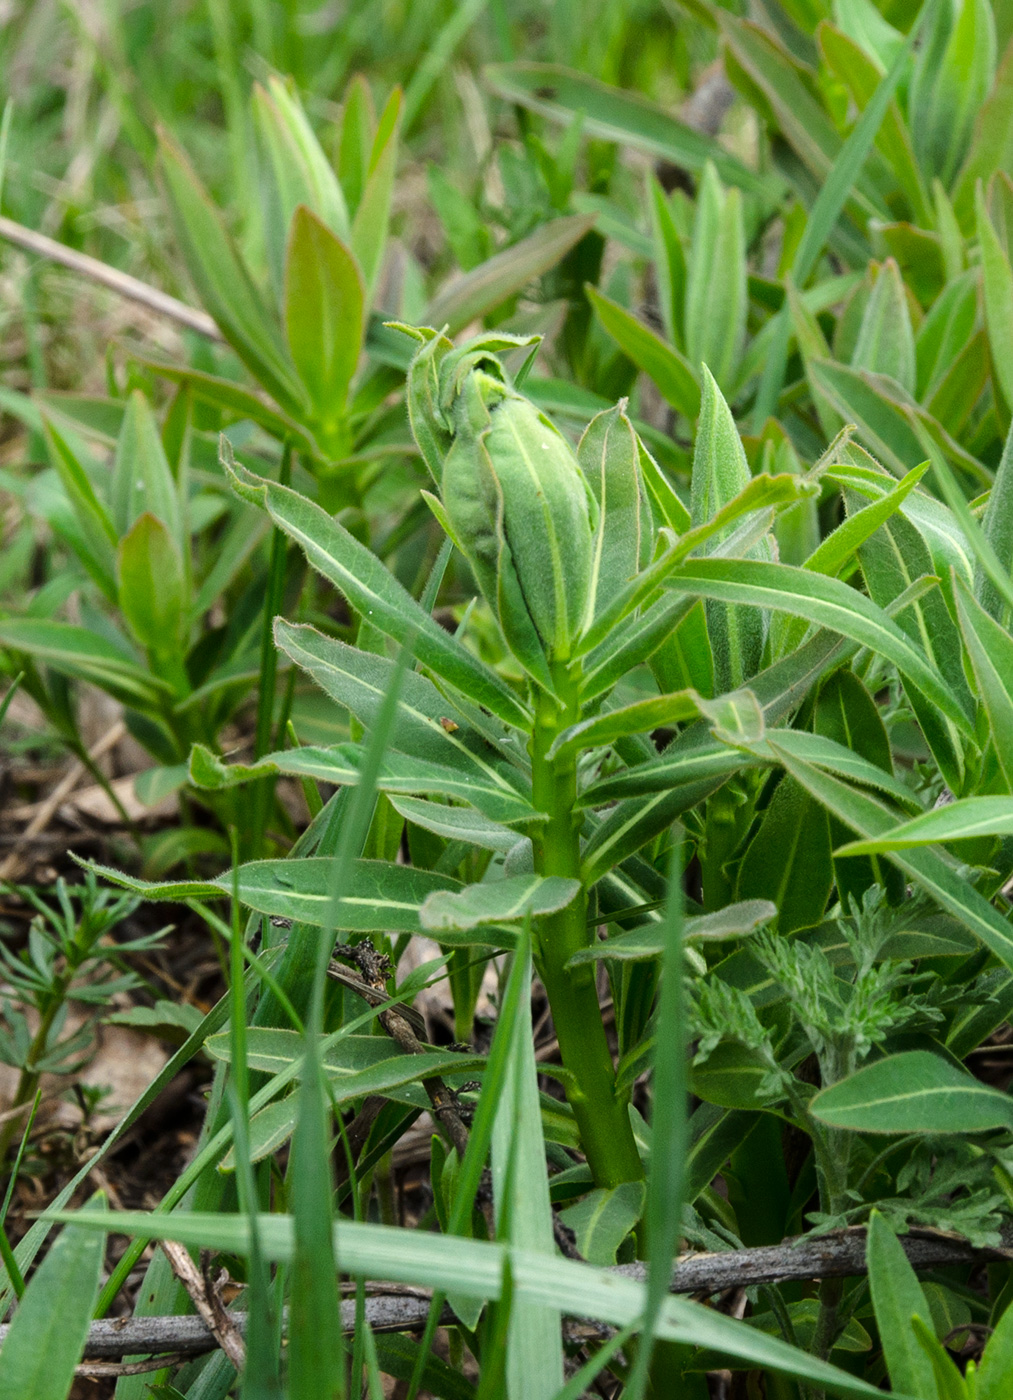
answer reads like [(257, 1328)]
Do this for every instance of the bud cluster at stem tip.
[(512, 495)]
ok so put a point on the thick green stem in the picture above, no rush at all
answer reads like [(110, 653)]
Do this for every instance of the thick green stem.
[(602, 1118)]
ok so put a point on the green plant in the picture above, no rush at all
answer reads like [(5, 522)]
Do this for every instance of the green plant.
[(154, 545), (66, 960), (576, 810), (311, 338), (693, 735), (894, 309)]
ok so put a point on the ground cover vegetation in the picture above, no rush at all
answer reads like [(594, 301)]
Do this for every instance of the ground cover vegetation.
[(507, 721)]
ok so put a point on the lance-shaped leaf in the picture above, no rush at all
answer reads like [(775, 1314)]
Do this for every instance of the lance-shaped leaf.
[(716, 293), (78, 472), (369, 226), (935, 522), (886, 343), (738, 524), (472, 295), (685, 657), (675, 378), (994, 1369), (689, 759), (631, 643), (639, 718), (50, 1327), (375, 593), (848, 762), (767, 64), (993, 136), (523, 1210), (669, 263), (603, 1218), (997, 284), (789, 858), (142, 480), (948, 327), (886, 416), (152, 592), (720, 474), (668, 507), (355, 1064), (77, 651), (953, 399), (223, 281), (609, 455), (456, 823), (497, 902), (694, 757), (301, 171), (990, 649), (827, 602), (734, 921), (380, 895), (324, 313), (424, 725), (560, 93), (869, 818), (233, 398), (950, 80), (892, 559), (956, 821), (997, 527), (633, 823), (271, 1128), (847, 713), (399, 773), (840, 546), (897, 1297), (849, 55), (916, 1092)]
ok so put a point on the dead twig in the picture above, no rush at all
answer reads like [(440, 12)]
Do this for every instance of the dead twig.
[(403, 1310), (95, 1370), (120, 282), (402, 1024), (178, 1338), (839, 1255), (205, 1294), (357, 1131)]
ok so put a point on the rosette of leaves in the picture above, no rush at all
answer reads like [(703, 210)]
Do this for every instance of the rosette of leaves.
[(302, 316), (152, 544), (300, 329)]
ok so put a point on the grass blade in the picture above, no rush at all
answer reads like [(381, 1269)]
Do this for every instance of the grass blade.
[(316, 1364), (534, 1364), (50, 1327), (669, 1124)]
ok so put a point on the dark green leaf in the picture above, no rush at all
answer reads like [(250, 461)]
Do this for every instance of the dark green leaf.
[(916, 1092)]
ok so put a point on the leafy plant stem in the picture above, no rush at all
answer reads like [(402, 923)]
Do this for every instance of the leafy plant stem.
[(601, 1116)]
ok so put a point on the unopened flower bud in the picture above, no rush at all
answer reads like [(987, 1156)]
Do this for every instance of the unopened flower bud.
[(517, 504)]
